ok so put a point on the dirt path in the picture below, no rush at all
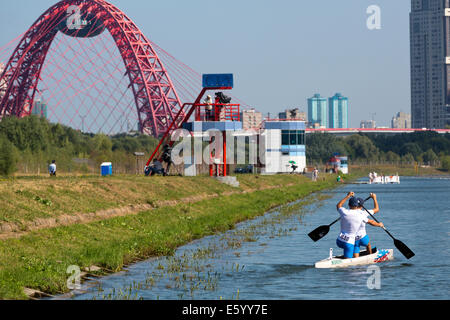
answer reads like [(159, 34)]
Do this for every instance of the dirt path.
[(13, 230)]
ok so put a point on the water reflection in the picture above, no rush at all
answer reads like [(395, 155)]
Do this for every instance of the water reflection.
[(272, 257)]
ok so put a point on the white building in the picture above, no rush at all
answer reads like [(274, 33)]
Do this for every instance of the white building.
[(368, 124), (285, 145), (401, 121)]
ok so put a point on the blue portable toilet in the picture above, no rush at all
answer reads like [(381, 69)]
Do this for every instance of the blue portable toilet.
[(106, 169)]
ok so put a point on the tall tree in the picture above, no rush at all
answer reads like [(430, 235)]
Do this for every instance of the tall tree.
[(430, 157), (361, 147), (321, 146), (8, 157)]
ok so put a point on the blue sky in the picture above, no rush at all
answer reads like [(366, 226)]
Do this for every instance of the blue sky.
[(281, 52)]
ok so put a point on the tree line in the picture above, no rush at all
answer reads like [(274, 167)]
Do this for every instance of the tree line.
[(429, 148), (29, 144)]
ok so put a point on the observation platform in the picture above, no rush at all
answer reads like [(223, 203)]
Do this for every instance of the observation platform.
[(221, 117)]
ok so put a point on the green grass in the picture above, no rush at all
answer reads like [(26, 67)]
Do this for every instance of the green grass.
[(39, 260), (70, 195)]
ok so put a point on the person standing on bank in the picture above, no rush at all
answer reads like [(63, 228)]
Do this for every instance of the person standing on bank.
[(351, 220), (315, 174), (52, 168), (208, 108)]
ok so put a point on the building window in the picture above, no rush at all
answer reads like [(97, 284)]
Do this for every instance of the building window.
[(285, 137), (292, 137)]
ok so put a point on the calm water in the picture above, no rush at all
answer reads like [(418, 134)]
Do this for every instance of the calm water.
[(272, 257)]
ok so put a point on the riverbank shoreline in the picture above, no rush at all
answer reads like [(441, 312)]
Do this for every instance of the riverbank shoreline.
[(272, 257), (35, 264)]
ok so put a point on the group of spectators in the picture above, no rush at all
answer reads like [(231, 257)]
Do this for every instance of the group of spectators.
[(214, 110)]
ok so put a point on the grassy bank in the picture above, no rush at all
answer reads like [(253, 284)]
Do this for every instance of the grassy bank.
[(28, 200), (182, 209)]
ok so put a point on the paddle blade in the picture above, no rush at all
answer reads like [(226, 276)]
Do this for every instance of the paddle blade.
[(403, 248), (319, 233)]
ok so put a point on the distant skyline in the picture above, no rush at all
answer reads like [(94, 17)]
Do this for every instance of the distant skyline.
[(281, 52)]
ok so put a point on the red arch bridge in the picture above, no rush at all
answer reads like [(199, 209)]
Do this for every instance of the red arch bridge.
[(85, 64)]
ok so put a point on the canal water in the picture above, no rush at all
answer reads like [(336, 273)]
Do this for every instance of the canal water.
[(272, 257)]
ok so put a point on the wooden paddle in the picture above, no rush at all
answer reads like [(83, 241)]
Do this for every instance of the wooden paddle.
[(403, 248), (322, 231)]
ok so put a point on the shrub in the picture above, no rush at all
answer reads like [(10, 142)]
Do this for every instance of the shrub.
[(445, 163), (8, 157)]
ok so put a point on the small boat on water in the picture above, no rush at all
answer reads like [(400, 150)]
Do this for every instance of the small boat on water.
[(375, 179), (365, 258)]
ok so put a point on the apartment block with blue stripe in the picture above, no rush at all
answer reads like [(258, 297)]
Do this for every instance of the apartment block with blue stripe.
[(317, 110), (338, 111)]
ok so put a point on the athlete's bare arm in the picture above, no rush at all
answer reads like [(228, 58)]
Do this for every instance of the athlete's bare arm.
[(342, 202), (376, 224), (375, 203)]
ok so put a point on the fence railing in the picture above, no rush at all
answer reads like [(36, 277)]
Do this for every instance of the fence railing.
[(217, 112)]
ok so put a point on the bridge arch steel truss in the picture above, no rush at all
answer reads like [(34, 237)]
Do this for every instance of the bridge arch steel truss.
[(157, 102)]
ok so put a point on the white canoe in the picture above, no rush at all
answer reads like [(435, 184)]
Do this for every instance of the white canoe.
[(365, 258)]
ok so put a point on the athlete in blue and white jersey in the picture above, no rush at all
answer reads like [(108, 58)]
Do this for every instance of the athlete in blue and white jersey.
[(362, 239), (351, 220)]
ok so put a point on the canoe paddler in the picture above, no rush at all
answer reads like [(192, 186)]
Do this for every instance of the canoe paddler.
[(351, 220), (362, 239)]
